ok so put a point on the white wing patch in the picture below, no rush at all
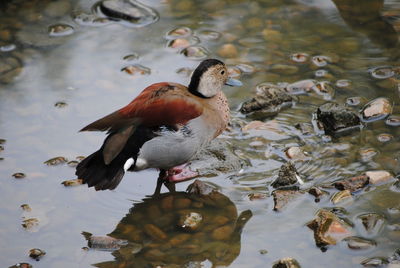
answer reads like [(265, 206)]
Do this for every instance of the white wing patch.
[(128, 164)]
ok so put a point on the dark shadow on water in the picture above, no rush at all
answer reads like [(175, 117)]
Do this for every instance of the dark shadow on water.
[(160, 226)]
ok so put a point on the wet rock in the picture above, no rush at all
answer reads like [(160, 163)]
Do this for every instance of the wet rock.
[(209, 35), (21, 265), (263, 251), (378, 176), (26, 207), (57, 8), (382, 72), (200, 188), (36, 253), (343, 83), (190, 221), (320, 61), (103, 242), (284, 69), (295, 153), (72, 163), (372, 223), (324, 89), (19, 175), (376, 109), (180, 43), (374, 262), (268, 101), (73, 182), (287, 175), (228, 51), (384, 137), (342, 196), (352, 184), (60, 30), (136, 69), (358, 243), (60, 104), (257, 196), (30, 224), (334, 118), (393, 120), (131, 57), (286, 263), (195, 52), (317, 193), (179, 239), (56, 161), (133, 12), (180, 32), (90, 20), (283, 197), (299, 57), (328, 229)]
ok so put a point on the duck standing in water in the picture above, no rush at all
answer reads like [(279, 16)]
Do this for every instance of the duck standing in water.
[(163, 127)]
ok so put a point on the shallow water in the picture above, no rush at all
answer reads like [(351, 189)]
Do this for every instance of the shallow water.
[(53, 86)]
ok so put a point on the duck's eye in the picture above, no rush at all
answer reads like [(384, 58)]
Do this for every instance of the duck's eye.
[(222, 72)]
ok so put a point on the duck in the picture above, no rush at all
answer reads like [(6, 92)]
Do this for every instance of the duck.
[(162, 128)]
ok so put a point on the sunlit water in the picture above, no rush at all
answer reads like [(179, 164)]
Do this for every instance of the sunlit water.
[(82, 68)]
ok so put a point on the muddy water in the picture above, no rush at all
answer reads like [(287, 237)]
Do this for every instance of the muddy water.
[(62, 65)]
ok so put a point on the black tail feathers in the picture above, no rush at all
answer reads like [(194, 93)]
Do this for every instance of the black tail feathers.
[(93, 171)]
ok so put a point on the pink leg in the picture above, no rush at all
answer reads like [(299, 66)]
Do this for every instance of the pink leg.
[(180, 173)]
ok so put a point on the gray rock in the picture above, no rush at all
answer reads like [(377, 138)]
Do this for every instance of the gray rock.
[(287, 176), (269, 100), (335, 118)]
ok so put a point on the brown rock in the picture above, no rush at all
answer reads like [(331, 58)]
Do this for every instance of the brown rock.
[(341, 196), (286, 263), (167, 203), (228, 51), (179, 239), (353, 184), (181, 203), (328, 228), (376, 109)]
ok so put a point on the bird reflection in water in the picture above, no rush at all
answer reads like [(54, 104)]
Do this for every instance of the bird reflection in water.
[(177, 229)]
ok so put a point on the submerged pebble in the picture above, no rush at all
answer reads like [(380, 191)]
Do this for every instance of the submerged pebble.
[(209, 35), (73, 163), (21, 265), (180, 32), (384, 137), (60, 30), (136, 69), (393, 120), (320, 61), (190, 221), (299, 57), (8, 48), (30, 224), (343, 83), (104, 242), (341, 197), (382, 72), (195, 52), (131, 57), (286, 263), (228, 51), (353, 101)]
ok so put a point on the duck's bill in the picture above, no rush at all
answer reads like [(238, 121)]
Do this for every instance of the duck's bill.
[(233, 82)]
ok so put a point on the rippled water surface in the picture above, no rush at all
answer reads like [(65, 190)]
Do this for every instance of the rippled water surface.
[(64, 64)]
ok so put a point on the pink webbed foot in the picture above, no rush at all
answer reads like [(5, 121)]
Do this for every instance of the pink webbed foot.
[(180, 173)]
